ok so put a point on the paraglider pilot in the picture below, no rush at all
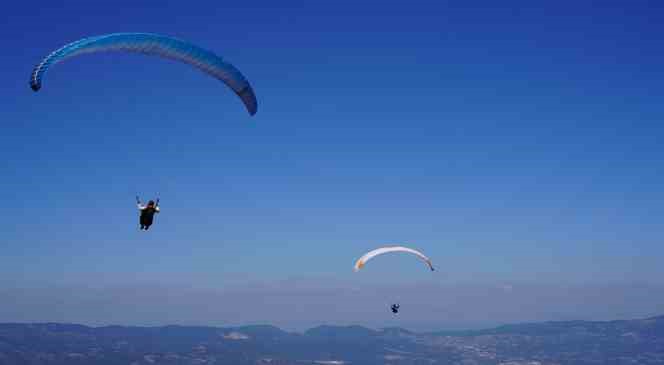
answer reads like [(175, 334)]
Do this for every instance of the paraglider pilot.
[(147, 212), (395, 308)]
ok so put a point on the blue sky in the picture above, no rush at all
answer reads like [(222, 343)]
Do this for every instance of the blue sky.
[(513, 143)]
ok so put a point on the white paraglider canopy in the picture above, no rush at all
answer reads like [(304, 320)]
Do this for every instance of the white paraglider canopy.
[(379, 251)]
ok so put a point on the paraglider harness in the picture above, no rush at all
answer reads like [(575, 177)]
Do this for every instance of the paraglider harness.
[(395, 308), (147, 213)]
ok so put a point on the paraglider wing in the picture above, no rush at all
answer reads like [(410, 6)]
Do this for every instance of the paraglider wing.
[(379, 251), (158, 45)]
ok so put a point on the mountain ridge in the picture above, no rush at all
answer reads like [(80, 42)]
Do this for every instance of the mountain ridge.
[(316, 329), (636, 341)]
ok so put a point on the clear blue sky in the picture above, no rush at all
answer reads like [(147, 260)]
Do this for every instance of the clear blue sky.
[(513, 143)]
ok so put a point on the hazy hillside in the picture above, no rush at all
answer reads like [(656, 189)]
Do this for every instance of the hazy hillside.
[(575, 342)]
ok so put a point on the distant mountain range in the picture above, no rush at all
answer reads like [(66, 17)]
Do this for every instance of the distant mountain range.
[(565, 343)]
